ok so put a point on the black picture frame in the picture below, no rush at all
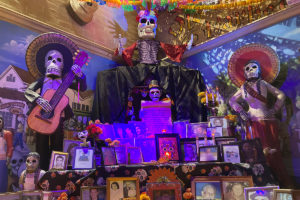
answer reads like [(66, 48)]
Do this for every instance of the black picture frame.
[(164, 140), (210, 156), (224, 140), (232, 155), (135, 155), (184, 142), (108, 156), (252, 151)]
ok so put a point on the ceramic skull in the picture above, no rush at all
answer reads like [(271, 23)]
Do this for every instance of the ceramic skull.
[(154, 94), (16, 161), (32, 161), (147, 24), (54, 63), (82, 135), (252, 70)]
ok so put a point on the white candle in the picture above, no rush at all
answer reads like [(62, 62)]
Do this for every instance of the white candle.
[(206, 97)]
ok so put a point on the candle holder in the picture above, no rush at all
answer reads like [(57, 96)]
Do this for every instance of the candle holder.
[(211, 100)]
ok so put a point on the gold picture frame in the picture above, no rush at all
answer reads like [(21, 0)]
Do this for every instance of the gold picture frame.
[(59, 160), (86, 191), (282, 194), (126, 188)]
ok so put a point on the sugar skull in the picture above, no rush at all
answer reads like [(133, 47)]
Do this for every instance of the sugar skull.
[(154, 92), (16, 161), (147, 24), (82, 135), (252, 70), (169, 148), (54, 63), (32, 162)]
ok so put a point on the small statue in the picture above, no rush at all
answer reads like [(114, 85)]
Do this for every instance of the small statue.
[(31, 176), (6, 151)]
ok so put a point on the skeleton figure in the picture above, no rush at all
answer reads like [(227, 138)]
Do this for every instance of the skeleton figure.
[(30, 177), (154, 92), (147, 24), (83, 136), (6, 150)]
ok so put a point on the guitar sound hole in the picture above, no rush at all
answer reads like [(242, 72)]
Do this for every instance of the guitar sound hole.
[(47, 115)]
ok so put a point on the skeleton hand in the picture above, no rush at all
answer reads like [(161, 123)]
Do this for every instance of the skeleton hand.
[(44, 104), (244, 115), (77, 70), (189, 44)]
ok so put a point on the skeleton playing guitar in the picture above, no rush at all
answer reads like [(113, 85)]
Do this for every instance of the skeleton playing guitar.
[(47, 122)]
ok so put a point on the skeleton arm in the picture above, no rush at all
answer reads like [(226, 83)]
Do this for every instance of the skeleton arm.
[(236, 106), (278, 94)]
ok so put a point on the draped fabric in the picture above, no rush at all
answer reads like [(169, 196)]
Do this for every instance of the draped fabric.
[(181, 83)]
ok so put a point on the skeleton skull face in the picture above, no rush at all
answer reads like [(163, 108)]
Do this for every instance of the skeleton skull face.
[(82, 135), (54, 63), (147, 24), (45, 185), (32, 163), (1, 123), (16, 161), (154, 94), (252, 70)]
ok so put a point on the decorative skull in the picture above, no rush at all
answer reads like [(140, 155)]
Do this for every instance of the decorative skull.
[(147, 24), (82, 135), (154, 94), (45, 185), (32, 161), (16, 161), (54, 63), (252, 70)]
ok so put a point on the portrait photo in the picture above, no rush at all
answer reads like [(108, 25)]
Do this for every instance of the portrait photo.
[(218, 121), (208, 190), (69, 147), (124, 130), (148, 148), (108, 156), (233, 187), (231, 153), (93, 192), (139, 128), (188, 150), (59, 160), (122, 187), (180, 127), (286, 194), (197, 129), (134, 155), (224, 140), (84, 158), (168, 145), (11, 196), (252, 151), (52, 195), (216, 131), (260, 193), (208, 153), (164, 191), (121, 155), (202, 142), (31, 195)]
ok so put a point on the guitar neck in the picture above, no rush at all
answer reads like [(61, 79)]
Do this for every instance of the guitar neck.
[(62, 89)]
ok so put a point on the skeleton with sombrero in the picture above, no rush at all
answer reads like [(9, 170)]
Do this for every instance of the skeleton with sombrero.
[(252, 68), (49, 57)]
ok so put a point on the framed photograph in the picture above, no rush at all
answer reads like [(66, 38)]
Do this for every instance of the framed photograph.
[(108, 131), (69, 147), (52, 195), (207, 188), (139, 128), (122, 188), (286, 194), (134, 155), (197, 129), (164, 191), (180, 127), (208, 154), (93, 192), (233, 186), (217, 131), (252, 151), (261, 193), (188, 150), (59, 160), (84, 158), (31, 195), (148, 148), (124, 130), (224, 140), (231, 153), (11, 196), (209, 142), (108, 156), (218, 121), (168, 144), (121, 155)]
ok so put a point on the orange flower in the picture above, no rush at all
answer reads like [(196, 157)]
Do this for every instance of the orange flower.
[(203, 171)]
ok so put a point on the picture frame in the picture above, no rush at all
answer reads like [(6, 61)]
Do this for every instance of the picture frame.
[(218, 121), (69, 147), (52, 195), (231, 153), (168, 144), (148, 148), (208, 142), (108, 156), (84, 158), (266, 192), (251, 151), (170, 190), (233, 186), (139, 128), (134, 155), (205, 187), (208, 154), (58, 160), (286, 194), (121, 155), (188, 148), (31, 195), (93, 192), (197, 129), (122, 187), (224, 140), (218, 131), (181, 128), (11, 196), (122, 130)]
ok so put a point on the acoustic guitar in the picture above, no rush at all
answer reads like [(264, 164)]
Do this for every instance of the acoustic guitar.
[(47, 122)]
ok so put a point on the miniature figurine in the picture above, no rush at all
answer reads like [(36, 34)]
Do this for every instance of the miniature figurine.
[(30, 177), (252, 68), (6, 151), (49, 59), (83, 136)]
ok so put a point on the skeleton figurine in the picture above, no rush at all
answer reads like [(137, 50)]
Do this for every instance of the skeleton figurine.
[(30, 177), (154, 92), (51, 54), (147, 46), (83, 136), (254, 77), (6, 150)]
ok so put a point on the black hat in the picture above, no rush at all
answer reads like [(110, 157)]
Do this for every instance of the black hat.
[(153, 84)]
